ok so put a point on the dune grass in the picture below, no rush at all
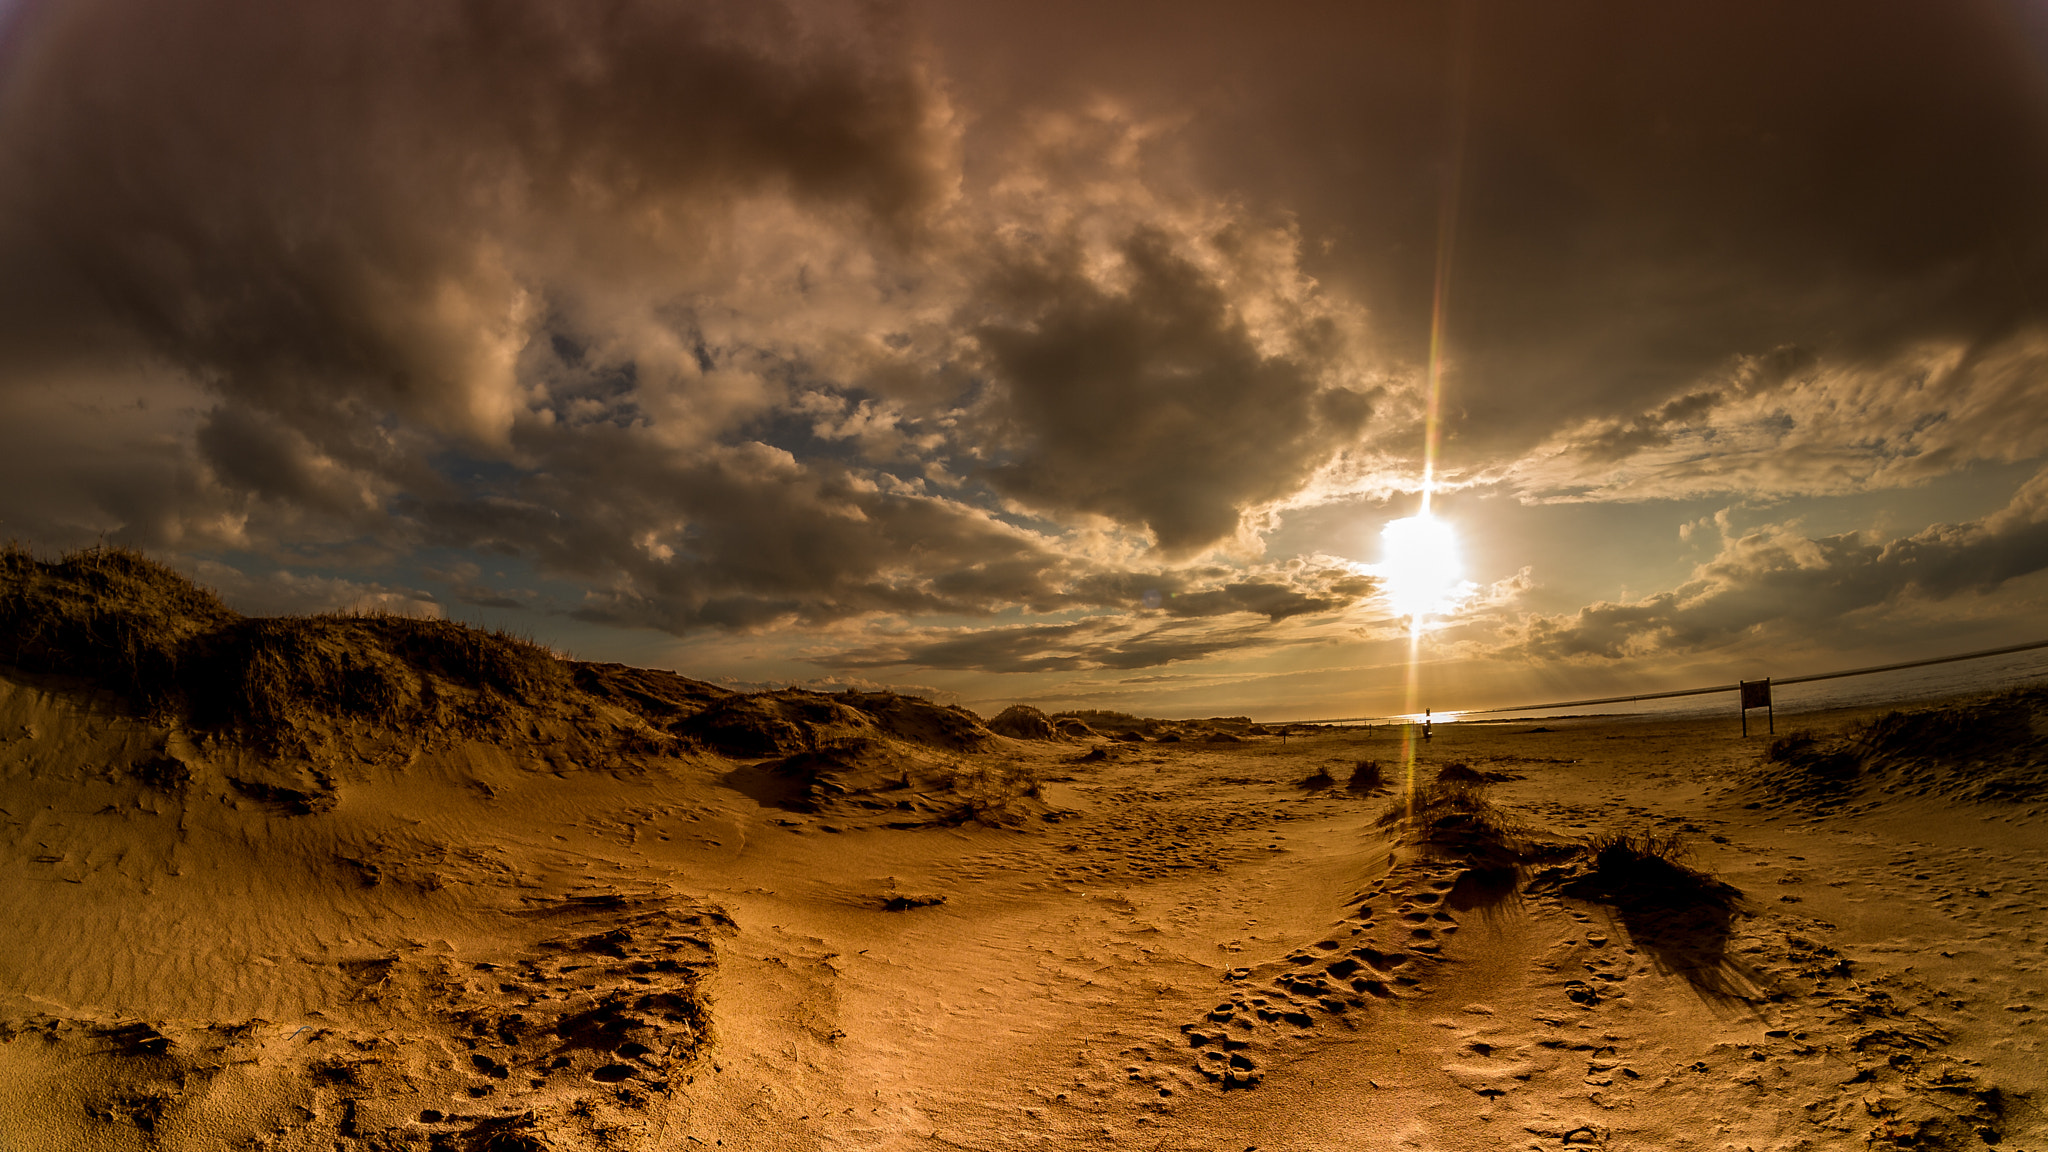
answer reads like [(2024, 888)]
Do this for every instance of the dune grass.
[(1317, 781), (1456, 816), (987, 794), (1367, 777), (1651, 869), (130, 624), (1803, 751), (106, 614)]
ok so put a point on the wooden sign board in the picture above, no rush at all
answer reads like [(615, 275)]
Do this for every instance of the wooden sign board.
[(1757, 694)]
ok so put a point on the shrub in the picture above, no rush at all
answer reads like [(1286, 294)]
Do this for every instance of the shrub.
[(1820, 763), (1649, 870)]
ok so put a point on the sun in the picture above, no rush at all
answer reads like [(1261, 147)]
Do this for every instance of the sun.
[(1420, 566)]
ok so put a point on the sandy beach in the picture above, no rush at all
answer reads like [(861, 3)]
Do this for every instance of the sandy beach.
[(585, 930)]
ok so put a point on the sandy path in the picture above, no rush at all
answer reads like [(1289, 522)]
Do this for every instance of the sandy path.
[(1888, 973)]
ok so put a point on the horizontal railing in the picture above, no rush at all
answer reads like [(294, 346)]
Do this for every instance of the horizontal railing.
[(1736, 687)]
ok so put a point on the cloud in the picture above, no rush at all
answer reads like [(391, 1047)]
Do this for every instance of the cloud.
[(750, 316), (282, 592), (1098, 642), (1776, 581), (1645, 193), (692, 304), (1171, 617), (317, 208), (1140, 385), (464, 580), (1795, 424), (1302, 586)]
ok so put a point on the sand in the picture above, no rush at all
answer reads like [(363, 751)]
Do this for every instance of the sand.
[(486, 942)]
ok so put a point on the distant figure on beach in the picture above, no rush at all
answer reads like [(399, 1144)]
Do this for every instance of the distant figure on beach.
[(1425, 723)]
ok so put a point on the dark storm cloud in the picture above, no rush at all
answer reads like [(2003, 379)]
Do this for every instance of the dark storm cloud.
[(1766, 582), (1647, 190), (252, 451), (318, 207), (1157, 403)]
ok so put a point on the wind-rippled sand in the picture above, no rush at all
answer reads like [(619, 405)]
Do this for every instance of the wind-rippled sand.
[(1187, 945)]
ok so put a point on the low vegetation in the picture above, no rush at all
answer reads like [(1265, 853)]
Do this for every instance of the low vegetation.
[(1989, 750), (1648, 870), (1023, 722), (990, 794), (110, 615), (115, 617), (1455, 816), (126, 623)]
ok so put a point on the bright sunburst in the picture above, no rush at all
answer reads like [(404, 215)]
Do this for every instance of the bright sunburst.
[(1419, 562)]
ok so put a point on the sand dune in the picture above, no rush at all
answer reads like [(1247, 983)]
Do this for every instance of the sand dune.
[(416, 887)]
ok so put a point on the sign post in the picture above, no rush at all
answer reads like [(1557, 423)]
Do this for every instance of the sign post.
[(1757, 694)]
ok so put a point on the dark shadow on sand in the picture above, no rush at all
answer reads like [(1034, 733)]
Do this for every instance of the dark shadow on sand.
[(1681, 917)]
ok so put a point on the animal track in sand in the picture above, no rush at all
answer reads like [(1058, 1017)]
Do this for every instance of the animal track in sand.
[(1278, 1008), (597, 1020), (1144, 835)]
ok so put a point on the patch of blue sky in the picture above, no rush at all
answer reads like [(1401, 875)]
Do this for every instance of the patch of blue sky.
[(477, 474)]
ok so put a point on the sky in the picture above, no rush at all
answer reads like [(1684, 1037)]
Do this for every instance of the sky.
[(1074, 354)]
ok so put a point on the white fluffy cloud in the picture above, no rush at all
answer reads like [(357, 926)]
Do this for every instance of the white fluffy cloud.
[(1776, 582), (1792, 423)]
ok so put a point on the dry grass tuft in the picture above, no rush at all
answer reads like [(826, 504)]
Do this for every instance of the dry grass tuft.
[(988, 794), (507, 1134), (1318, 780), (1367, 777), (1802, 751), (1650, 870), (1455, 816)]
